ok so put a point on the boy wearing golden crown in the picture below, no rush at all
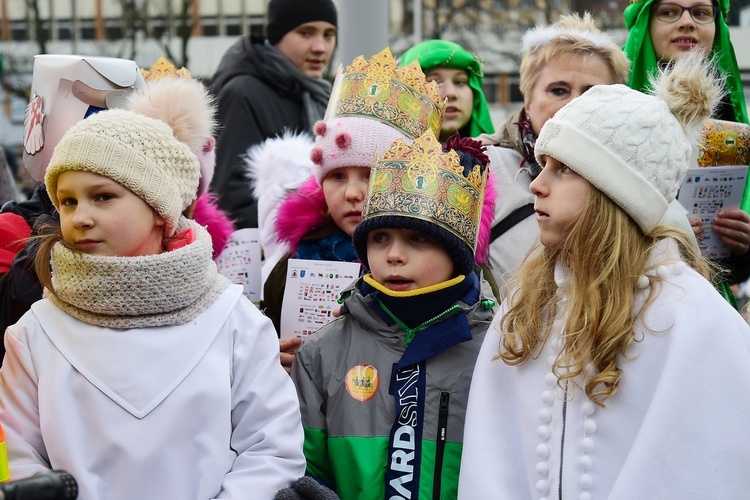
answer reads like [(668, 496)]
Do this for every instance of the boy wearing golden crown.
[(374, 102), (383, 388)]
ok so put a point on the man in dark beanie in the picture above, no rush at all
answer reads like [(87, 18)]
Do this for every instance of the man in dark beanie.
[(265, 86)]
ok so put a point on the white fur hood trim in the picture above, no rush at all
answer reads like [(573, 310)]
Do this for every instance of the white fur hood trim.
[(275, 167)]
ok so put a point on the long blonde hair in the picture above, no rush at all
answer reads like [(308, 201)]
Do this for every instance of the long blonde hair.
[(606, 252)]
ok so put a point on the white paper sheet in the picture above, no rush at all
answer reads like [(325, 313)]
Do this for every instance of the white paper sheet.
[(240, 262), (311, 295), (704, 192)]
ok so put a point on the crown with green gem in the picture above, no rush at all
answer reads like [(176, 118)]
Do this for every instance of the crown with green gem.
[(378, 89), (423, 182)]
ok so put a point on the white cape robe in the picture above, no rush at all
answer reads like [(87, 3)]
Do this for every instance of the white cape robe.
[(199, 410), (679, 427)]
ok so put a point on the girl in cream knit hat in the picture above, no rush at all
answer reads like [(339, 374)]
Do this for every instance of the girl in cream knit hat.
[(614, 369), (142, 372)]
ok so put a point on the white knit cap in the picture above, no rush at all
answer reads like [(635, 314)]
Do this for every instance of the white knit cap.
[(632, 146), (139, 152), (350, 142)]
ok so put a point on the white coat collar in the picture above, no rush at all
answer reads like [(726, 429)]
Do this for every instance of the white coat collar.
[(138, 368)]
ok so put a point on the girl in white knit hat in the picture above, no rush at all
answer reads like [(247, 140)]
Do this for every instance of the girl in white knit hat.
[(142, 372), (614, 369)]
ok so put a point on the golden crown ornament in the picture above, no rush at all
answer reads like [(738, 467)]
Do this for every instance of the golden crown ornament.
[(162, 68), (423, 182), (378, 89)]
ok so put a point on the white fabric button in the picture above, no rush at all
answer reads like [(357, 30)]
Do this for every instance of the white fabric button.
[(545, 415), (662, 272), (642, 282), (542, 468), (586, 481), (589, 426), (587, 408), (544, 432), (587, 444), (542, 486), (548, 397)]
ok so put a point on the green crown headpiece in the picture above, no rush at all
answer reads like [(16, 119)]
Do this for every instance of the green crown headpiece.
[(378, 89), (423, 182)]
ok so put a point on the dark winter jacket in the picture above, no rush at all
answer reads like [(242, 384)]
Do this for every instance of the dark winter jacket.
[(259, 94), (19, 287)]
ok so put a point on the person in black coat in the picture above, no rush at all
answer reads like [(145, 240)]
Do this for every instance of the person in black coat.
[(266, 86)]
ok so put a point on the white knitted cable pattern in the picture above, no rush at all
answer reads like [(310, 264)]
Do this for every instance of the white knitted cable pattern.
[(165, 289), (627, 144)]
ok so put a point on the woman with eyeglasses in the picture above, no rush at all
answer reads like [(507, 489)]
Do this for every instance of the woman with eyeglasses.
[(459, 76), (662, 31)]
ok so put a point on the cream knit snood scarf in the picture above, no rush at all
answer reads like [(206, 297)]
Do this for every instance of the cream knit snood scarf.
[(169, 288)]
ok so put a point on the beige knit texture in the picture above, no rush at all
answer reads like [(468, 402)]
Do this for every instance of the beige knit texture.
[(165, 289), (139, 152)]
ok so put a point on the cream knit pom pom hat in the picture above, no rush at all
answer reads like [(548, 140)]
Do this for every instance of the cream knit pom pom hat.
[(139, 152), (635, 147)]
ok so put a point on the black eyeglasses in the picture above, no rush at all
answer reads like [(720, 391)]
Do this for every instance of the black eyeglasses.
[(671, 12)]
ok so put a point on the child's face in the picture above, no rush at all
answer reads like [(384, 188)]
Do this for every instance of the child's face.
[(345, 190), (560, 198), (453, 84), (102, 217), (673, 40), (401, 259)]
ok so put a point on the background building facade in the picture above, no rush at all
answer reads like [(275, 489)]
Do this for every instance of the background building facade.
[(195, 34)]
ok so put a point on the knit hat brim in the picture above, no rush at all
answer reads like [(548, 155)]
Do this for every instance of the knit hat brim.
[(461, 255), (92, 153), (604, 169)]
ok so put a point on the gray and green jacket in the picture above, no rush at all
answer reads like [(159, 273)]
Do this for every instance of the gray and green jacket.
[(353, 374)]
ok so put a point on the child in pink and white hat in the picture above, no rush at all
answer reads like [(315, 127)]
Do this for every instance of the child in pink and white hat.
[(315, 219)]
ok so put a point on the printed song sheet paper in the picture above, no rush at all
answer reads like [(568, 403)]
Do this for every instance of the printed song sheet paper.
[(311, 295), (240, 262), (706, 191)]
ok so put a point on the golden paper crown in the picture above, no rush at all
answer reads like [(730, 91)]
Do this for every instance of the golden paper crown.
[(423, 182), (378, 89), (724, 143), (162, 68)]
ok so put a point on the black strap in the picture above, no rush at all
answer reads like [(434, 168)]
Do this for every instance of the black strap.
[(511, 220)]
